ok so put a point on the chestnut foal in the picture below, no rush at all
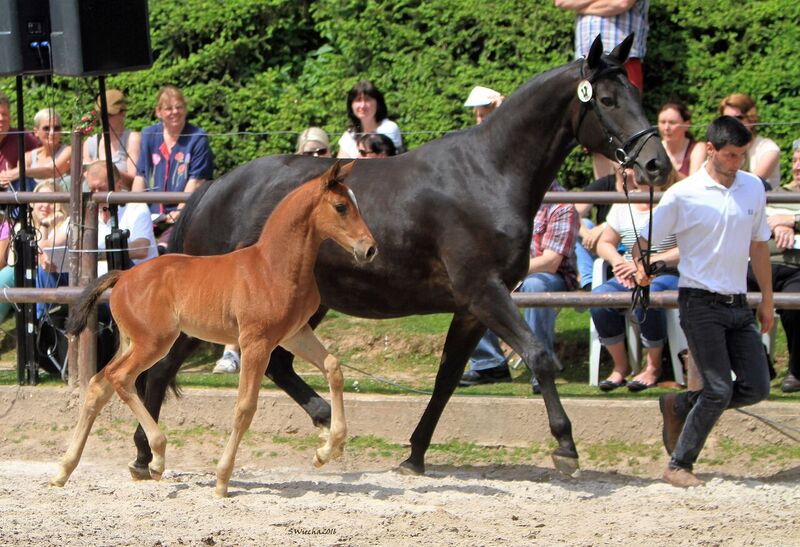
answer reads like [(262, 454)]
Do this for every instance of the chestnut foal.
[(260, 296)]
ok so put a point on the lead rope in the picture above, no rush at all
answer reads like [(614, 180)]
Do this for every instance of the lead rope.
[(640, 298)]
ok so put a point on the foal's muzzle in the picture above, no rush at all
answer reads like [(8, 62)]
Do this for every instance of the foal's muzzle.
[(365, 250)]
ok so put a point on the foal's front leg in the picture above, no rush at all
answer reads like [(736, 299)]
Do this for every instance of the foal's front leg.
[(255, 357), (306, 345)]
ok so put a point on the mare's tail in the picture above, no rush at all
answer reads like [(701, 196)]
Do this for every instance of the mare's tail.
[(79, 313)]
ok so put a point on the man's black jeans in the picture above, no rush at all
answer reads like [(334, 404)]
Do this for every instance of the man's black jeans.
[(722, 337)]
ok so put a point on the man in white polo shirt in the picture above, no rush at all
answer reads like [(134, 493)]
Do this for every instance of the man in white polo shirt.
[(134, 217), (717, 215)]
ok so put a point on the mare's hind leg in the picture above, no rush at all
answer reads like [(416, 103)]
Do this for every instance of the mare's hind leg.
[(152, 387), (462, 337), (122, 375), (495, 309), (306, 345), (255, 356), (98, 393)]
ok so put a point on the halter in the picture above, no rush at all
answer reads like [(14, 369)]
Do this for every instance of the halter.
[(625, 155)]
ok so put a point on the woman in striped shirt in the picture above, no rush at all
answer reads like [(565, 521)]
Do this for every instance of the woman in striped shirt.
[(623, 224)]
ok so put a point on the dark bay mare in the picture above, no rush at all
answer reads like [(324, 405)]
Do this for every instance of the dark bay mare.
[(454, 221)]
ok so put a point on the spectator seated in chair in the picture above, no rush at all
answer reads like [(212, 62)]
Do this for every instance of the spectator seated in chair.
[(623, 223)]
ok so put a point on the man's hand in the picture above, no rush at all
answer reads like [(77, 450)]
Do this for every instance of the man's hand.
[(766, 316), (590, 238), (784, 237)]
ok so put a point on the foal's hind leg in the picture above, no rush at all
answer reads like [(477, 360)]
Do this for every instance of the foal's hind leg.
[(255, 356), (97, 395), (306, 345), (122, 375)]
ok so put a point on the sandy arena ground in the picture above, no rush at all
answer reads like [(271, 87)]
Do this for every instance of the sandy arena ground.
[(278, 498)]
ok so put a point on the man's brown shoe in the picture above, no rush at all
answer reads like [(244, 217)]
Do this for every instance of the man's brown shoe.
[(682, 478), (673, 424)]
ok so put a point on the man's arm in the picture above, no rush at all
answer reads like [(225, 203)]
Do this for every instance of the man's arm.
[(138, 248), (759, 260), (603, 8), (548, 261)]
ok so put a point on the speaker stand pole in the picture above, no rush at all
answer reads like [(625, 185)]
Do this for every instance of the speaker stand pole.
[(25, 267)]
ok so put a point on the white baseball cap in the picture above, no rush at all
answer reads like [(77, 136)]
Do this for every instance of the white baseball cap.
[(481, 96)]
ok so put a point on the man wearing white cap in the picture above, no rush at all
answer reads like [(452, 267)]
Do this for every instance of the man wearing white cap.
[(484, 101)]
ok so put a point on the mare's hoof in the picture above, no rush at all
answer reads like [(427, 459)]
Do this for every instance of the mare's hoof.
[(139, 473), (408, 468), (155, 475), (567, 466)]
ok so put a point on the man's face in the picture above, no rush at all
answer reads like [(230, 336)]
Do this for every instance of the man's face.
[(728, 159), (97, 181), (796, 165), (482, 112), (5, 120)]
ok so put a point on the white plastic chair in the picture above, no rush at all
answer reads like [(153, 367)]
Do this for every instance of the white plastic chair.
[(675, 337)]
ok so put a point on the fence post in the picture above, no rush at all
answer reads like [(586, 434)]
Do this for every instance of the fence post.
[(87, 358), (74, 243)]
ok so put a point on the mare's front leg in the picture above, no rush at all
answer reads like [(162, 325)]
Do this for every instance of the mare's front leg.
[(152, 388), (306, 345), (493, 306), (98, 393), (462, 337), (255, 356)]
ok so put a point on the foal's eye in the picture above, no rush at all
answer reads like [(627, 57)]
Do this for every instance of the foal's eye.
[(607, 101), (341, 208)]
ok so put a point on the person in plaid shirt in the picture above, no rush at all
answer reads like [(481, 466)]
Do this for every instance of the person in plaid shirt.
[(552, 268)]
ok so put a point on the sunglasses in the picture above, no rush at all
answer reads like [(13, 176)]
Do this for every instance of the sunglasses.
[(316, 152), (47, 128)]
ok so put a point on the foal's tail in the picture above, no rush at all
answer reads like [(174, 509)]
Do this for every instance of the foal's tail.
[(79, 313)]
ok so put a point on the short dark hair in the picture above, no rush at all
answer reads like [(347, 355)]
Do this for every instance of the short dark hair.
[(377, 143), (365, 87), (4, 100), (727, 130)]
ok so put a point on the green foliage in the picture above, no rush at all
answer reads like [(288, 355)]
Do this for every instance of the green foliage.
[(273, 67)]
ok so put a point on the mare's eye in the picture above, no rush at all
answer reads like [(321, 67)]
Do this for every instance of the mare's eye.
[(607, 101), (341, 208)]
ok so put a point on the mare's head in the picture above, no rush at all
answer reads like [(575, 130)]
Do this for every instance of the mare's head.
[(608, 116), (338, 217)]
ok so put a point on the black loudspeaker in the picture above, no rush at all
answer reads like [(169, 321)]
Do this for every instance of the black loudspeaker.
[(97, 37), (24, 37)]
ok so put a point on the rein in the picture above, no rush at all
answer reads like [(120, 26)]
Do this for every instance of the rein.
[(625, 155)]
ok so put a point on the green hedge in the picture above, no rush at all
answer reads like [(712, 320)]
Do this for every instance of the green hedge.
[(272, 66)]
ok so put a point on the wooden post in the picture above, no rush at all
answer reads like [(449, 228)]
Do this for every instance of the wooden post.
[(87, 357), (74, 243)]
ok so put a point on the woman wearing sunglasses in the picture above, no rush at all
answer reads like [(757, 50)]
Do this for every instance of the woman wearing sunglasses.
[(50, 161)]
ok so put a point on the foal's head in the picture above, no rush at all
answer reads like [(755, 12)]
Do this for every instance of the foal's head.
[(337, 215)]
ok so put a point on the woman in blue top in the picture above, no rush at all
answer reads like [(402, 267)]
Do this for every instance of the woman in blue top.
[(175, 156)]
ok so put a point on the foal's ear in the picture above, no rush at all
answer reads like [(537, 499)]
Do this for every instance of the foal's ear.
[(595, 51), (622, 51), (336, 174)]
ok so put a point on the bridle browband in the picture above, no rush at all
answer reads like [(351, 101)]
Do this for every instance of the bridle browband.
[(625, 155)]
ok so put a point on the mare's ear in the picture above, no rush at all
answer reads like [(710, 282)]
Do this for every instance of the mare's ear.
[(623, 49), (593, 59)]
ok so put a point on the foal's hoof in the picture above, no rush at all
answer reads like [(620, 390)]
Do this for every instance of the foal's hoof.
[(58, 482), (567, 465), (408, 468), (221, 491), (139, 473), (155, 475), (318, 461)]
